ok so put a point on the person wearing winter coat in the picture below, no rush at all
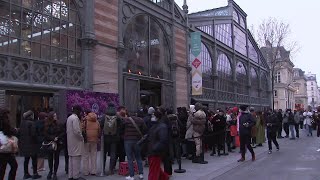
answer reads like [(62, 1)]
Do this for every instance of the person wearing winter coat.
[(296, 122), (53, 132), (92, 128), (280, 117), (40, 123), (75, 143), (219, 123), (189, 134), (246, 122), (134, 127), (199, 125), (260, 125), (286, 123), (158, 143), (183, 117), (111, 125), (7, 133), (28, 144), (291, 124), (272, 123), (308, 122)]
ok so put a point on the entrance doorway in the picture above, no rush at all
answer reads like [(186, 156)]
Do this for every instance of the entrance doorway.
[(19, 102), (150, 94), (147, 92)]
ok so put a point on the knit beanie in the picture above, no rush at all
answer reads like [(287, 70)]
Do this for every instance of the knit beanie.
[(151, 110), (111, 110), (29, 115)]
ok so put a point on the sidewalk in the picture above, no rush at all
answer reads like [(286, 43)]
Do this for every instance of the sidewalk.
[(216, 166)]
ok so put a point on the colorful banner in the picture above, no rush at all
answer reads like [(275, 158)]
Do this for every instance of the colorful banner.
[(196, 63)]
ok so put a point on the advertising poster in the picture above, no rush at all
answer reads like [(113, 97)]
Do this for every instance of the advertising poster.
[(196, 63)]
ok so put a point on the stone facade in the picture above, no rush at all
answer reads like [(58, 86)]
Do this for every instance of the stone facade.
[(300, 84), (312, 90)]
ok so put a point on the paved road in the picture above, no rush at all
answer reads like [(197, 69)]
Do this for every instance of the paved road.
[(296, 160)]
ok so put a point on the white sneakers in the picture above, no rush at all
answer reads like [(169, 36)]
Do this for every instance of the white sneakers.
[(132, 178), (129, 178)]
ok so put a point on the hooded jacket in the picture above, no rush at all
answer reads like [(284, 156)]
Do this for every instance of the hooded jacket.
[(28, 141), (93, 128), (158, 139), (199, 122)]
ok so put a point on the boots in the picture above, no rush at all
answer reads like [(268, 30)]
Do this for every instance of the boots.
[(197, 160), (243, 157)]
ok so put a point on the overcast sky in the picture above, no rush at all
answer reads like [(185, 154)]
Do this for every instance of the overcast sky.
[(303, 17)]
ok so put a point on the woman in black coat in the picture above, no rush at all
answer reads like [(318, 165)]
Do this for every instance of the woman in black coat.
[(28, 144), (53, 132), (272, 123)]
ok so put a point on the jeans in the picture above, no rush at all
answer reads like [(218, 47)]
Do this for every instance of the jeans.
[(111, 149), (34, 159), (53, 161), (296, 126), (272, 136), (11, 160), (286, 129), (309, 130), (155, 171), (292, 129), (132, 148)]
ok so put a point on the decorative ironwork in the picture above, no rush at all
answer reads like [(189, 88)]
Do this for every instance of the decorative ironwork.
[(20, 70), (3, 65), (128, 11), (41, 73), (76, 77)]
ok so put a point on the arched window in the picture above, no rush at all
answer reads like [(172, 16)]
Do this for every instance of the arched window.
[(147, 52), (242, 78), (206, 67), (46, 30), (224, 73), (254, 83)]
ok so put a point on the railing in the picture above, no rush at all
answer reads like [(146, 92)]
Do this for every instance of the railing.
[(163, 3)]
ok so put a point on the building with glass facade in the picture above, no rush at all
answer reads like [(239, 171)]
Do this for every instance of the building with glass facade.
[(234, 69), (137, 51)]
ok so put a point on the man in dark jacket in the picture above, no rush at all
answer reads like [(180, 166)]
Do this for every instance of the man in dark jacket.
[(273, 123), (219, 126), (28, 144), (111, 125), (291, 124), (280, 118), (157, 147), (246, 122)]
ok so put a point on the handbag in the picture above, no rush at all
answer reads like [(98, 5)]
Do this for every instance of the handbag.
[(143, 138), (48, 146), (11, 146)]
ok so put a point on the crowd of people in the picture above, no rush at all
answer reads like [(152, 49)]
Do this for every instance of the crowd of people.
[(149, 137)]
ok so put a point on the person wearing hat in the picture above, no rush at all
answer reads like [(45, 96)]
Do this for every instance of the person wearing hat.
[(28, 144), (75, 143), (199, 125), (246, 122), (111, 126)]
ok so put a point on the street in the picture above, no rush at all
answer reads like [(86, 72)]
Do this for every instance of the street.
[(296, 160)]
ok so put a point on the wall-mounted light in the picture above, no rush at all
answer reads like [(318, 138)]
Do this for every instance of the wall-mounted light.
[(140, 73)]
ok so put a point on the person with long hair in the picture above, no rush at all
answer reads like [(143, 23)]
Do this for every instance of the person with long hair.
[(7, 158), (53, 133)]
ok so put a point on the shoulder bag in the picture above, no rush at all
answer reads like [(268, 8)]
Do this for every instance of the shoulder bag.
[(143, 138)]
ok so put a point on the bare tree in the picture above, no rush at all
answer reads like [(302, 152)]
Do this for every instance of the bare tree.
[(274, 35)]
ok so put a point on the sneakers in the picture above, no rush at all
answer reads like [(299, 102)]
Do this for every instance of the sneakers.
[(241, 160), (129, 178), (141, 176), (270, 152), (278, 149)]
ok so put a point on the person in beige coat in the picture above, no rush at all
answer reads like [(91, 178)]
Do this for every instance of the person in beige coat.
[(92, 127), (75, 143)]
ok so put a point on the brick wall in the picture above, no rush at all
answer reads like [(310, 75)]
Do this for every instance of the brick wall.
[(105, 63), (181, 73)]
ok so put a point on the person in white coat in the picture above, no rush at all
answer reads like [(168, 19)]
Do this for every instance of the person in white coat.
[(308, 122), (75, 143)]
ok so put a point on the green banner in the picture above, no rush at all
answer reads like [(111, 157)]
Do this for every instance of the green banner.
[(195, 43)]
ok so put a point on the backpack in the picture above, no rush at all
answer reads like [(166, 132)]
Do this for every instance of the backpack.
[(110, 125), (175, 129)]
